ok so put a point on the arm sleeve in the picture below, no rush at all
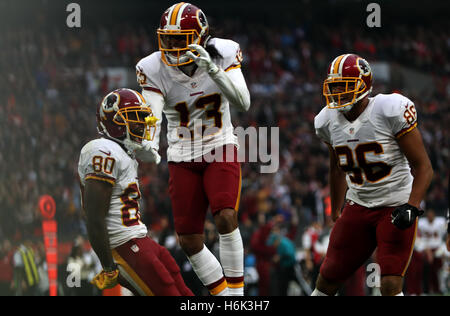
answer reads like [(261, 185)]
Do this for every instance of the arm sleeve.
[(232, 84), (147, 75), (230, 79), (156, 102), (321, 125), (401, 115)]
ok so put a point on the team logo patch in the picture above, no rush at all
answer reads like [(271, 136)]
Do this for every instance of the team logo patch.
[(239, 57), (111, 102), (141, 78), (202, 19), (364, 67)]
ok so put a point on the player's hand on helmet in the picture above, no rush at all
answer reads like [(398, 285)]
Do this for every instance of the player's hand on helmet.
[(106, 279), (203, 60), (147, 153), (405, 215)]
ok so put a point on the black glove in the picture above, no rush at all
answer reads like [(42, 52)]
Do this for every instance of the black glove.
[(405, 215)]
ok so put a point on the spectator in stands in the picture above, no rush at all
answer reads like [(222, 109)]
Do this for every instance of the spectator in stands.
[(284, 260), (87, 264), (26, 276), (6, 267), (263, 254)]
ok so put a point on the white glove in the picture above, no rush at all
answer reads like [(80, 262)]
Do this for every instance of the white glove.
[(203, 60), (148, 154)]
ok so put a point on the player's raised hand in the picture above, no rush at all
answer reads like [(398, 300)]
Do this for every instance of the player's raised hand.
[(203, 60)]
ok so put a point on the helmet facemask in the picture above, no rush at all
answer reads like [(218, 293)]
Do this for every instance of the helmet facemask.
[(181, 25), (174, 45), (123, 116), (139, 121), (342, 93)]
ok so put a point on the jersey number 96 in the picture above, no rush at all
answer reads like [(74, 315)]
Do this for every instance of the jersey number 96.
[(373, 171)]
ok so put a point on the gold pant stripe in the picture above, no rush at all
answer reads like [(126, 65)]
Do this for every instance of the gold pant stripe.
[(412, 248), (136, 280), (236, 206)]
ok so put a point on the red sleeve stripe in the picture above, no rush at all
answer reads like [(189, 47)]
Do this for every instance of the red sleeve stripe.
[(153, 89), (235, 282), (233, 67), (218, 286), (100, 177), (406, 130)]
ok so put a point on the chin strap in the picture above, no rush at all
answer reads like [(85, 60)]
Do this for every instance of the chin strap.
[(347, 108)]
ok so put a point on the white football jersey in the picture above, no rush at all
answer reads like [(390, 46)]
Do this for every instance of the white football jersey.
[(193, 102), (431, 234), (377, 172), (105, 160)]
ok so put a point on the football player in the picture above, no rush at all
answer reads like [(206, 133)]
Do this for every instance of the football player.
[(431, 230), (373, 144), (110, 196), (193, 79)]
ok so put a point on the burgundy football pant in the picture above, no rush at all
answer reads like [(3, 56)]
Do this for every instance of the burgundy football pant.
[(193, 186), (355, 236), (148, 269)]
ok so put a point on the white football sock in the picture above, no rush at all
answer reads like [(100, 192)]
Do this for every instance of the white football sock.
[(209, 271), (232, 258)]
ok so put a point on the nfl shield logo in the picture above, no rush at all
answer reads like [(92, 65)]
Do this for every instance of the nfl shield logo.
[(194, 85), (135, 248), (352, 130)]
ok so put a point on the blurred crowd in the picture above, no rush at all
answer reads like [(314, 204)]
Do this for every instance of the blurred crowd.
[(52, 80)]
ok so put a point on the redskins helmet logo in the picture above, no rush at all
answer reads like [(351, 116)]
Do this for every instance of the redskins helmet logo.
[(111, 102), (202, 19), (363, 67)]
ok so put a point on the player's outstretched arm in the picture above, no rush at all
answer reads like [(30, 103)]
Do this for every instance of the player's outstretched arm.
[(97, 197), (233, 87), (411, 145), (338, 185), (149, 152)]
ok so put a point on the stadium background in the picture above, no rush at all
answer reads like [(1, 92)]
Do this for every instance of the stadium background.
[(52, 78)]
